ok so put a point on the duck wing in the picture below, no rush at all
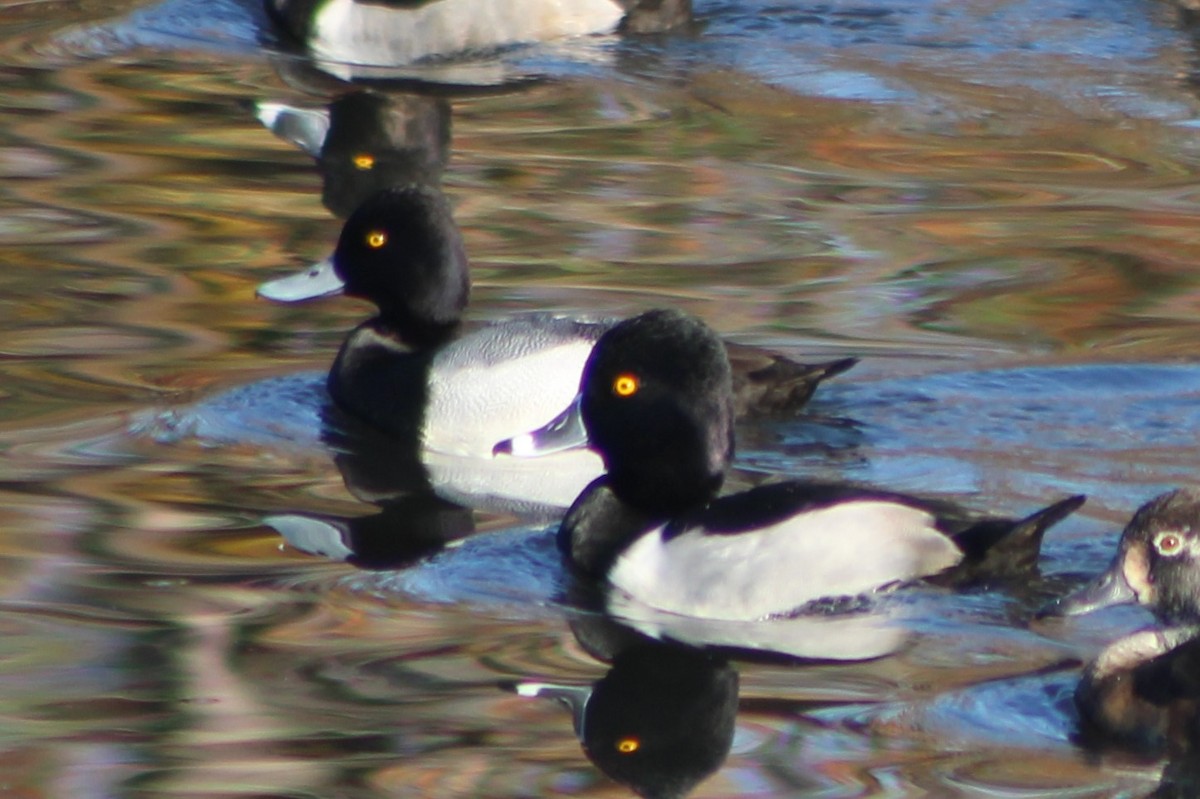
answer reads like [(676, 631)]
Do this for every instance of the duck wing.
[(766, 383)]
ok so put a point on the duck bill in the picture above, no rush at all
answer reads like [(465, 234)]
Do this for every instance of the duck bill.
[(1110, 588), (563, 432), (318, 280)]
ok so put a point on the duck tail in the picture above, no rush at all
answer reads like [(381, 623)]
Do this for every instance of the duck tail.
[(1004, 548), (768, 384)]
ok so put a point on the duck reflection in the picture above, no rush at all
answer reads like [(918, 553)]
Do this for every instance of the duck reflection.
[(425, 502), (404, 531), (412, 523), (366, 141), (660, 721)]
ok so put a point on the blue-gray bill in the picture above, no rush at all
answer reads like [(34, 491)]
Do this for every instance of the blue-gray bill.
[(318, 280), (1110, 588)]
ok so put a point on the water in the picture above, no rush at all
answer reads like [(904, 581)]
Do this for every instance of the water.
[(992, 204)]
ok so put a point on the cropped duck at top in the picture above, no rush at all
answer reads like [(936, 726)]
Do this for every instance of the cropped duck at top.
[(657, 403), (413, 371), (399, 32), (1143, 691)]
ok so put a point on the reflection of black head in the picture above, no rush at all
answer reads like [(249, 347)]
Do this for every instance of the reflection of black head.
[(375, 468), (387, 471), (376, 141), (405, 531), (662, 719)]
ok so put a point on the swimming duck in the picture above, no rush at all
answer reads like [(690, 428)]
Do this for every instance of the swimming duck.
[(657, 402), (400, 32), (1143, 691), (413, 372)]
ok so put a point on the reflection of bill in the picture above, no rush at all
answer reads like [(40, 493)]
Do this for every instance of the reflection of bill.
[(401, 534)]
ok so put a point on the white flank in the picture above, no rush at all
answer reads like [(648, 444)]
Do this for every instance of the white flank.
[(357, 33), (472, 407), (851, 548)]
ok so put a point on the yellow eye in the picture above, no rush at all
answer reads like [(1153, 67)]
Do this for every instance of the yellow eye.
[(376, 239), (628, 746), (364, 161), (625, 385), (1168, 543)]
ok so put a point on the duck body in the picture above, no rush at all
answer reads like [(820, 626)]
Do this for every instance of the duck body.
[(400, 32), (657, 402), (778, 549), (415, 370), (472, 392), (1143, 691)]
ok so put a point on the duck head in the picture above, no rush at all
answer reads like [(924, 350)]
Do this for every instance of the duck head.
[(401, 250), (656, 400), (1157, 563)]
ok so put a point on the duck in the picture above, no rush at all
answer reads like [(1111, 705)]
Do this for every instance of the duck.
[(401, 32), (1142, 692), (414, 371), (656, 400)]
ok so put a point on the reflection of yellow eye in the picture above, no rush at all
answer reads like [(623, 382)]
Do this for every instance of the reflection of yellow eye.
[(376, 239), (625, 385), (364, 161), (628, 746), (1168, 544)]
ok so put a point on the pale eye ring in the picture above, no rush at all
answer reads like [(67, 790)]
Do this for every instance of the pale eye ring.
[(1168, 543)]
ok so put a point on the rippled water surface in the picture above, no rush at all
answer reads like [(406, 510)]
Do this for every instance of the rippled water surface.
[(993, 204)]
